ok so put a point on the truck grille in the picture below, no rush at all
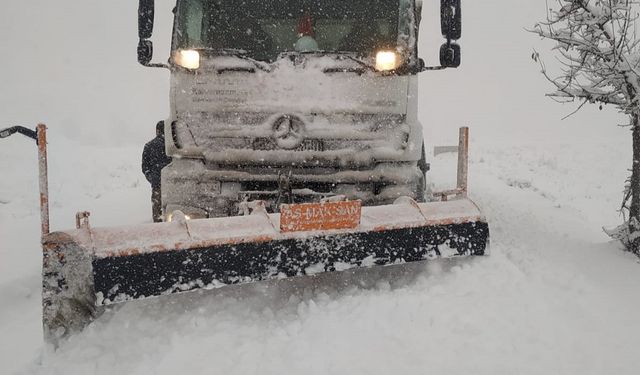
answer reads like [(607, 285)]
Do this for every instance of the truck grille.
[(267, 144)]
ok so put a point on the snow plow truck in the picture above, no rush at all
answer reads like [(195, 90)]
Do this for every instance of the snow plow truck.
[(294, 147)]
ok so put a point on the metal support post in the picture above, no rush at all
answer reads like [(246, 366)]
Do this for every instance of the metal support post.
[(40, 136), (43, 178), (463, 160)]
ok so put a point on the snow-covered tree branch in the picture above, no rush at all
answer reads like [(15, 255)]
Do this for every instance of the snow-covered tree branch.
[(598, 49)]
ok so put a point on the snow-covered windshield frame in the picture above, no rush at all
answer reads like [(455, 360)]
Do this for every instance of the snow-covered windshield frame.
[(405, 37)]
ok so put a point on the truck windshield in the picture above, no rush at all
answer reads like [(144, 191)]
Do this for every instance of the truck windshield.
[(264, 29)]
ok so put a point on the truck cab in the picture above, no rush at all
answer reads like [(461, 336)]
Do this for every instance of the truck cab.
[(291, 101)]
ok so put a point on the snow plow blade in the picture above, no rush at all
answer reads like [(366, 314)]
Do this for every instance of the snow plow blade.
[(87, 268)]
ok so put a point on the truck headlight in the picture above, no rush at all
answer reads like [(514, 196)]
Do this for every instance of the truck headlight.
[(187, 58), (386, 60)]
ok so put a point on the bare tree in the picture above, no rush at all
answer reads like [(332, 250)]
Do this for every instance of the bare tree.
[(599, 54)]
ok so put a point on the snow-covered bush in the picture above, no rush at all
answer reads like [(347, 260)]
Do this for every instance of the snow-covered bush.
[(598, 48)]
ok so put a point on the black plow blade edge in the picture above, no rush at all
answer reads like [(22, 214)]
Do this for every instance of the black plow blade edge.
[(122, 278)]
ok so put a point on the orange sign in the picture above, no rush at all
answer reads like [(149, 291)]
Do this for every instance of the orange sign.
[(320, 216)]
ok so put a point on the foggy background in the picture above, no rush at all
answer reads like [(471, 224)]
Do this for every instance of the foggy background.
[(73, 66)]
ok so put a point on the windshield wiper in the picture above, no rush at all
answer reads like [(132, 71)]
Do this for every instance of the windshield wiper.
[(362, 63), (238, 53), (338, 55)]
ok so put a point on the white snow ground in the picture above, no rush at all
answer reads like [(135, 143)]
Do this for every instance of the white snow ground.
[(555, 296)]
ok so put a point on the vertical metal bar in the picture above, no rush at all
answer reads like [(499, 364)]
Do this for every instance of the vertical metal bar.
[(463, 160), (43, 178)]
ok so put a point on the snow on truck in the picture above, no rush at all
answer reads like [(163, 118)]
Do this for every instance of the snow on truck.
[(292, 101), (295, 149)]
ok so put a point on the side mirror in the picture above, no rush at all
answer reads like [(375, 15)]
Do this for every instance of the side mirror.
[(145, 52), (451, 19), (146, 13), (450, 55)]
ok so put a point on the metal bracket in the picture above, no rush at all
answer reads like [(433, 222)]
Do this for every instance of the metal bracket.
[(285, 195), (463, 168), (33, 134), (82, 220)]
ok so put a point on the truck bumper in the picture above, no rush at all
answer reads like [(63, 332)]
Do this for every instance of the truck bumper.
[(198, 191)]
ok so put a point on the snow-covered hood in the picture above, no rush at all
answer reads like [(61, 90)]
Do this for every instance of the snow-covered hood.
[(310, 84)]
